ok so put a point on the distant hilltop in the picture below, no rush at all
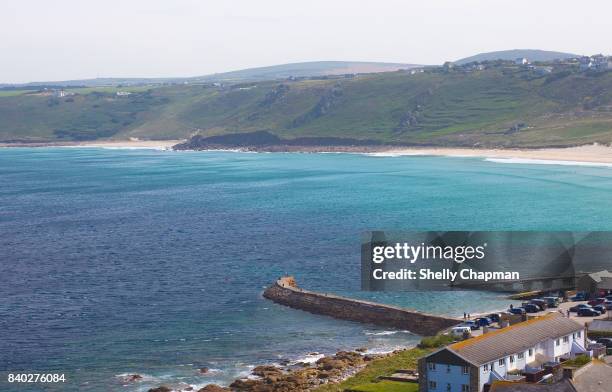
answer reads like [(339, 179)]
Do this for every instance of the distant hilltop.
[(273, 72), (531, 54)]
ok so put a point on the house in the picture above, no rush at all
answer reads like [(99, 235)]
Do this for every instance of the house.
[(521, 61), (472, 364), (595, 283), (585, 63), (599, 62)]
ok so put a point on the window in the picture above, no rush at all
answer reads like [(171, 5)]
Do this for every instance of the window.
[(520, 355), (578, 333), (565, 339), (465, 370), (574, 336), (465, 388), (511, 358), (558, 342), (431, 366), (530, 352), (433, 385), (486, 367), (502, 362)]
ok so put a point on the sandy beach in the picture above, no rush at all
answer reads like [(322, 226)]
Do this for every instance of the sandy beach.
[(127, 144), (586, 155)]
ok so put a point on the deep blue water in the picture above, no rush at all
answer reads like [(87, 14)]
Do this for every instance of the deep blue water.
[(153, 262)]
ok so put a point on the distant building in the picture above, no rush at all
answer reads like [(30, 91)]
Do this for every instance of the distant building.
[(600, 62), (472, 364), (123, 93), (595, 283), (585, 63), (521, 61)]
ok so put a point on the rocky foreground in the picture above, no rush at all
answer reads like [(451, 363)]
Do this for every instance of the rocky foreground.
[(302, 377)]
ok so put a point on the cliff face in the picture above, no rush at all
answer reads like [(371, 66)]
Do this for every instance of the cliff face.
[(285, 292)]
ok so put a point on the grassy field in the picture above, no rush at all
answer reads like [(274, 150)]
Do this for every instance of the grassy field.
[(499, 107), (367, 379), (386, 386), (13, 93)]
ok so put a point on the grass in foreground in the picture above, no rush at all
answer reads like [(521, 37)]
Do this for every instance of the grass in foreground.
[(367, 377), (387, 386)]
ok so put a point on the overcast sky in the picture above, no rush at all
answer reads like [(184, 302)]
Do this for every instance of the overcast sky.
[(73, 39)]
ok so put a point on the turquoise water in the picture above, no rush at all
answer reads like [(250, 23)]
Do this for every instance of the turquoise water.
[(153, 262)]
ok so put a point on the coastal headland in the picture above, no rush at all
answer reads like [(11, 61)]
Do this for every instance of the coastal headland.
[(286, 292)]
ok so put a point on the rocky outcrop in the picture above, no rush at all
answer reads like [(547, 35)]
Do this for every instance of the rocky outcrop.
[(326, 370), (286, 292), (265, 141), (213, 388)]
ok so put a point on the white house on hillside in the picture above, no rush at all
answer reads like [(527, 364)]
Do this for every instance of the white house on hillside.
[(469, 365)]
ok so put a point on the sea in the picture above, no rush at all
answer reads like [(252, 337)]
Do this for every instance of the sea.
[(152, 262)]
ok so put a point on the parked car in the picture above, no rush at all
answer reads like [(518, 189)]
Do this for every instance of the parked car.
[(540, 302), (578, 297), (578, 307), (495, 317), (600, 308), (605, 341), (588, 312), (596, 301), (471, 324), (608, 304), (483, 321), (517, 310), (609, 297), (532, 308), (552, 302)]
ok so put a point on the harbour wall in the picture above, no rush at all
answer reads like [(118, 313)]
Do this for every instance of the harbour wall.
[(286, 292)]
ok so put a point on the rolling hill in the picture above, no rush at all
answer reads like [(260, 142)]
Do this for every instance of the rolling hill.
[(281, 71), (502, 106), (511, 55)]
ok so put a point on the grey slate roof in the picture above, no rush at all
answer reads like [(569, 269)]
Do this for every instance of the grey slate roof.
[(601, 325), (597, 276), (514, 339)]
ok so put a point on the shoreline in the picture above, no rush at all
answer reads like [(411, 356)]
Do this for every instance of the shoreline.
[(116, 144), (585, 155)]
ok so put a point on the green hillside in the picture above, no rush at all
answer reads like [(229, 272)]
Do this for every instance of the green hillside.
[(503, 105), (531, 54)]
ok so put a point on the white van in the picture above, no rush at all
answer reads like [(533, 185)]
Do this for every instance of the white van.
[(460, 331)]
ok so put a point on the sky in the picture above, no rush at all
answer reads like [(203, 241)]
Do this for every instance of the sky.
[(74, 39)]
